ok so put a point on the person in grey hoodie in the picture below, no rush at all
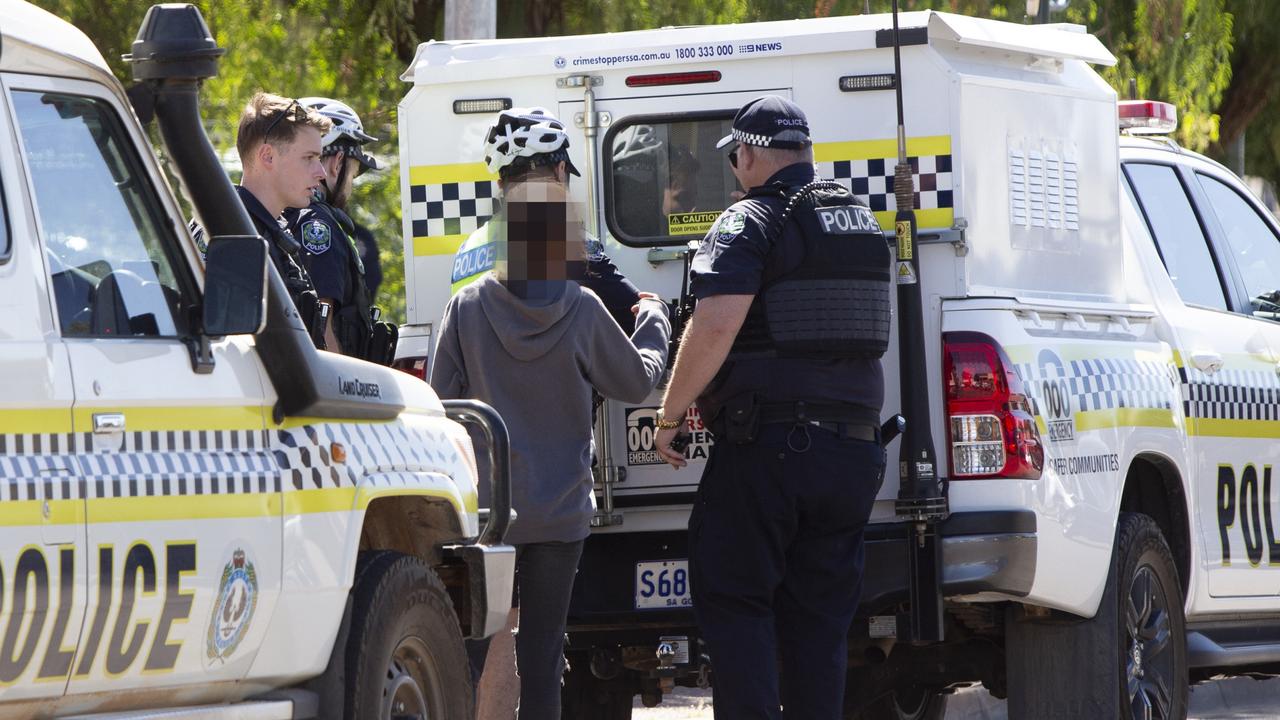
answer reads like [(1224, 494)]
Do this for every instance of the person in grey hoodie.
[(533, 344)]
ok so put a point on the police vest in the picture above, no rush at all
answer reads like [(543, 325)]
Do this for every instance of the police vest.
[(477, 256), (835, 303), (354, 321)]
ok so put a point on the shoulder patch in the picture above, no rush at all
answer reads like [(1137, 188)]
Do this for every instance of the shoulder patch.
[(316, 236), (730, 225)]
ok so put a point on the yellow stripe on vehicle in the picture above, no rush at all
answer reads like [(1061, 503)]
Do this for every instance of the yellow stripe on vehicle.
[(440, 174), (877, 149), (18, 513), (45, 420), (183, 507), (177, 418), (1124, 417), (925, 218), (1215, 427), (437, 245)]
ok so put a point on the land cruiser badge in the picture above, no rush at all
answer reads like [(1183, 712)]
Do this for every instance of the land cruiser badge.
[(237, 599)]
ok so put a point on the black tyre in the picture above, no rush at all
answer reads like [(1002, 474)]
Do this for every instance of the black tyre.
[(1128, 661), (405, 658), (587, 697), (915, 704), (1153, 653)]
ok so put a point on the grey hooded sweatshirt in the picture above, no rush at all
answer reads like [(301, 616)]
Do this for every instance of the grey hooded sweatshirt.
[(535, 362)]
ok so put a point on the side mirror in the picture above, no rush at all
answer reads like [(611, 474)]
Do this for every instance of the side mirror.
[(235, 286)]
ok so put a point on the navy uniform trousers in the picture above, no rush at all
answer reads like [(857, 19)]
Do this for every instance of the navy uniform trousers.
[(776, 555)]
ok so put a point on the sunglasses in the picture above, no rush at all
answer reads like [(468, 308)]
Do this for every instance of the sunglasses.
[(733, 157), (288, 110)]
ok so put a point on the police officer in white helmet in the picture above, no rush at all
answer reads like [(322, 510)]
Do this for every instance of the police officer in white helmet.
[(327, 235)]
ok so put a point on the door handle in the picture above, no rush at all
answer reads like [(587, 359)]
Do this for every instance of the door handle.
[(1207, 362), (107, 423)]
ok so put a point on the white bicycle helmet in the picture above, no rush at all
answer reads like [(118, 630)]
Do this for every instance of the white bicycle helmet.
[(529, 134), (347, 132)]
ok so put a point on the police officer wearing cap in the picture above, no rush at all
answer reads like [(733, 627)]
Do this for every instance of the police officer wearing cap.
[(782, 354), (327, 235)]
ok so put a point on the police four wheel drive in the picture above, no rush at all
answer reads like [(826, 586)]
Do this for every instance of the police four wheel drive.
[(202, 514), (1098, 313)]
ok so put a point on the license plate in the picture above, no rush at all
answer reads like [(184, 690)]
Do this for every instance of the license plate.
[(662, 584)]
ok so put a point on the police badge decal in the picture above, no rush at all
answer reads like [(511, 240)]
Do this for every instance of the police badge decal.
[(316, 236), (730, 226), (237, 599)]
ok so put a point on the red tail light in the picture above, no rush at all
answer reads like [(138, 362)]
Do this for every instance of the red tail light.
[(415, 366), (991, 427)]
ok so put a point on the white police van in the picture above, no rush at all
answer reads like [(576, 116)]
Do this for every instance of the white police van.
[(1100, 314), (202, 516)]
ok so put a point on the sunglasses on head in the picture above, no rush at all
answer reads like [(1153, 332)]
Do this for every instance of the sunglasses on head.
[(271, 128)]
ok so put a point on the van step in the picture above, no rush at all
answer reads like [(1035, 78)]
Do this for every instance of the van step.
[(1229, 646), (272, 710)]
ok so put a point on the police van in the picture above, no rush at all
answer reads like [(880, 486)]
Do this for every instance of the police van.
[(202, 516), (1100, 316)]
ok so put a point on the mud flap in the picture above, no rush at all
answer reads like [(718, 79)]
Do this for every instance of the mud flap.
[(1063, 666)]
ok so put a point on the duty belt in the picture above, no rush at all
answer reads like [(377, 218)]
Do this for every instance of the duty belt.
[(849, 421)]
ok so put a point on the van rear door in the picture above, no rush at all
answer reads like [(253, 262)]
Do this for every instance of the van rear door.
[(661, 183)]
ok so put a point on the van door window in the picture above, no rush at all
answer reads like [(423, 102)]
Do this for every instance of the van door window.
[(1253, 244), (665, 181), (102, 227), (1179, 239)]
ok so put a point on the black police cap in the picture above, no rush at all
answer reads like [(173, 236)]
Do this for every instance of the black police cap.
[(770, 121)]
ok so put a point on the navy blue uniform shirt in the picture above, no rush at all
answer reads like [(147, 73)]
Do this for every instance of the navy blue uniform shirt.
[(732, 260), (327, 252)]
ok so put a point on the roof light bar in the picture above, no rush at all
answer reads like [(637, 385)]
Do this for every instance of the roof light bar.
[(1147, 117), (481, 105), (859, 83), (678, 78)]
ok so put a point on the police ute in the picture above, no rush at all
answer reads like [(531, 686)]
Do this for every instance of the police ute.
[(202, 515), (1101, 320)]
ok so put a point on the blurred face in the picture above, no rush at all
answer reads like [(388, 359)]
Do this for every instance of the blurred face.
[(544, 239), (296, 168), (340, 194)]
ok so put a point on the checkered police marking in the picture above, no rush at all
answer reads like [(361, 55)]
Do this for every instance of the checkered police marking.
[(872, 180), (866, 169), (303, 453), (451, 208), (1231, 394), (65, 466), (1106, 384)]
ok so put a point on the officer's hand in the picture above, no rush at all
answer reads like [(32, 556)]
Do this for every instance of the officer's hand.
[(635, 309), (663, 443)]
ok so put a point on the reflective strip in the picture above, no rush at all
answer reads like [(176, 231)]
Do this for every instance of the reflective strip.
[(446, 204), (866, 167), (439, 174), (442, 245)]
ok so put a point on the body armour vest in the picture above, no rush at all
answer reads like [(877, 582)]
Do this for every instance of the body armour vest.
[(834, 303)]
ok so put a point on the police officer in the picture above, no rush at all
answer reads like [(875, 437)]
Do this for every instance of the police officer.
[(279, 142), (327, 235), (783, 355), (530, 144)]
